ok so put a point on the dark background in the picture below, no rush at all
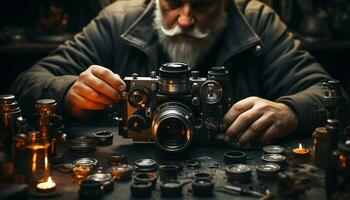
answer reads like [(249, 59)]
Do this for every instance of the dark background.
[(31, 29)]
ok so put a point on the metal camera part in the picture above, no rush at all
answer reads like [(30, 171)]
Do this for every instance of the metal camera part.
[(86, 161), (239, 172), (211, 92), (146, 165), (146, 177), (103, 138), (172, 127), (90, 189), (279, 159), (178, 165), (191, 107), (202, 187), (117, 159), (193, 164), (140, 98), (235, 157), (171, 188), (121, 172), (168, 172), (141, 189), (273, 149), (174, 78), (202, 175), (105, 178), (82, 144), (267, 171)]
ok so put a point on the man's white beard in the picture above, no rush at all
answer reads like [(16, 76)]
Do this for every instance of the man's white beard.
[(184, 48)]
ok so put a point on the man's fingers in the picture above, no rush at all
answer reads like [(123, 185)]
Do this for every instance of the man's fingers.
[(93, 95), (242, 122), (86, 104), (99, 85), (269, 134), (109, 77), (237, 109), (255, 130)]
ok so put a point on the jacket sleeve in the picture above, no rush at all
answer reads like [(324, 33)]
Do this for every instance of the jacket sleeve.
[(57, 72), (287, 69)]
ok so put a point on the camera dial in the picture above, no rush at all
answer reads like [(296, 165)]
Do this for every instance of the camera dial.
[(211, 92), (139, 98)]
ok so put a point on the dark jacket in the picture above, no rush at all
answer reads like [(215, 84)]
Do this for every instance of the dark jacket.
[(261, 56)]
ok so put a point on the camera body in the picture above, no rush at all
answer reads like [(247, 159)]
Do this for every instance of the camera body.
[(174, 107)]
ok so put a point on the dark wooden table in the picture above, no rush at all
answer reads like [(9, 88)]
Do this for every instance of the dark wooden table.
[(68, 186)]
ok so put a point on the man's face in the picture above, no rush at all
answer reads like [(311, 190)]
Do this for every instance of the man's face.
[(187, 29), (188, 14)]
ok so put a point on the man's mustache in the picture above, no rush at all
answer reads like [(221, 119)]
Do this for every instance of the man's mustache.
[(194, 32)]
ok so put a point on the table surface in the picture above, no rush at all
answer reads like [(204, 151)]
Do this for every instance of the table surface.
[(68, 186)]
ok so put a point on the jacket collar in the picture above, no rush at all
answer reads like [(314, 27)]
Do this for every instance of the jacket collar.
[(237, 37)]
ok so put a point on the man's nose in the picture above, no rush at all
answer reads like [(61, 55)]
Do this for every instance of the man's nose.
[(186, 19)]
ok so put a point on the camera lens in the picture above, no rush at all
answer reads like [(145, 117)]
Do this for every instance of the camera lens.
[(174, 78), (172, 127), (172, 132)]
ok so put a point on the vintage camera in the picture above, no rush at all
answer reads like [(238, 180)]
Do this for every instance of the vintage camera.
[(174, 107)]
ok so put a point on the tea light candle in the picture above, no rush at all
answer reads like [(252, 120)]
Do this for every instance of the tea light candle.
[(301, 152), (48, 186)]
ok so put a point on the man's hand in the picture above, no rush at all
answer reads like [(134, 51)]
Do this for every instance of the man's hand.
[(258, 120), (96, 88)]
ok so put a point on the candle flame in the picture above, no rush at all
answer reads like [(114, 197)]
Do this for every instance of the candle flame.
[(300, 146), (49, 180), (46, 161), (34, 162)]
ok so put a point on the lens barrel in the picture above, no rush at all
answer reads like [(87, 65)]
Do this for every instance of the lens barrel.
[(174, 78), (172, 127)]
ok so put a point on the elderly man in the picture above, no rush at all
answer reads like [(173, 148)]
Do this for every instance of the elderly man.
[(276, 86)]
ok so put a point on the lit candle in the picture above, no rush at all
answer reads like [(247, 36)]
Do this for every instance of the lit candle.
[(301, 152), (48, 186)]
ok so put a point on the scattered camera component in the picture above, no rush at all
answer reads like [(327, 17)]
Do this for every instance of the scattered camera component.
[(90, 189), (117, 159), (146, 177), (193, 164), (145, 165), (202, 187), (275, 158), (141, 189), (105, 178), (171, 189), (121, 172), (168, 172), (201, 175), (211, 92), (86, 161), (239, 172), (267, 171), (273, 149), (82, 144), (235, 157), (83, 167), (180, 166), (103, 138)]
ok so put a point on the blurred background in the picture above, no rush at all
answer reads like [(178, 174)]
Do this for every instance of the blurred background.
[(31, 29)]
